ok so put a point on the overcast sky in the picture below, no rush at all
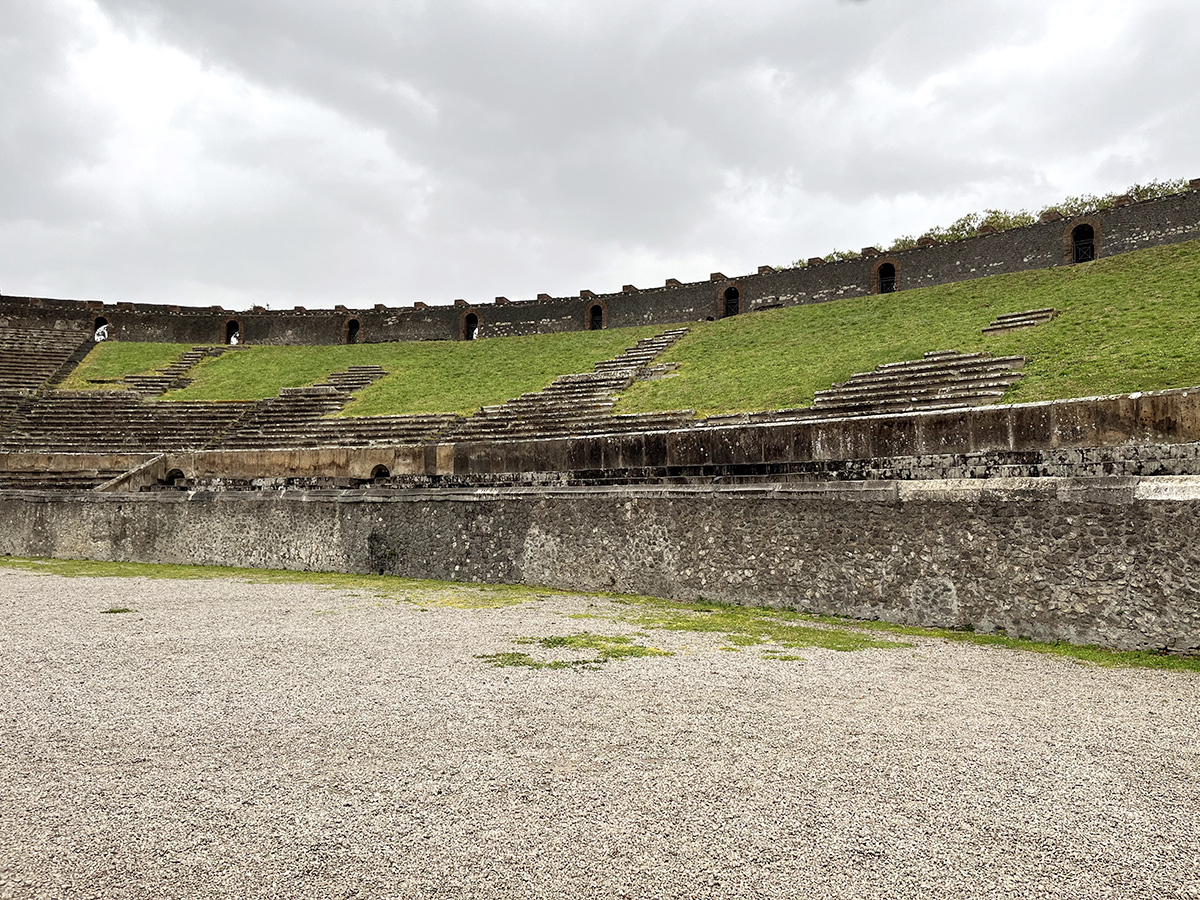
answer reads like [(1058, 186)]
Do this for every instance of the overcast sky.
[(307, 152)]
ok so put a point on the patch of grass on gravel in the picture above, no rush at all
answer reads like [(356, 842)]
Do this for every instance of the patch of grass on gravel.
[(401, 590), (605, 647), (744, 626), (772, 630), (1085, 653), (118, 609), (111, 361), (751, 626)]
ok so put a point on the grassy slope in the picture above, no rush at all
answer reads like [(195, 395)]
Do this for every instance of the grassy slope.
[(1126, 323), (423, 376), (115, 360)]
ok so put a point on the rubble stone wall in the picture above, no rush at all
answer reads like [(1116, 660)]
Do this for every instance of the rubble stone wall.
[(1111, 561)]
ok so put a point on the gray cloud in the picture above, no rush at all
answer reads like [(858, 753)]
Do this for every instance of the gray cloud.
[(307, 154)]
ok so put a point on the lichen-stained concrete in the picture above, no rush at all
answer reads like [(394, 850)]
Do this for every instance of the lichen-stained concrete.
[(242, 740)]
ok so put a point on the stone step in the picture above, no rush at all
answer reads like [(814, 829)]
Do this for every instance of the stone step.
[(1028, 319), (1004, 377), (964, 361)]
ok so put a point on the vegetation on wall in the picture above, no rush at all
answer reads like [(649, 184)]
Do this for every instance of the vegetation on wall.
[(1004, 220)]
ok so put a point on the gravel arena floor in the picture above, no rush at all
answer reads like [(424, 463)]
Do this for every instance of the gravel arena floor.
[(278, 740)]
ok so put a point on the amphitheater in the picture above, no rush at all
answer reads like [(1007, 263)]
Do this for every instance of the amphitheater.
[(917, 489)]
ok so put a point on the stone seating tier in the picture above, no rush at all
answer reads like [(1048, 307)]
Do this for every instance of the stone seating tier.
[(95, 421), (49, 480), (343, 432), (29, 358), (942, 379), (1027, 319), (355, 378)]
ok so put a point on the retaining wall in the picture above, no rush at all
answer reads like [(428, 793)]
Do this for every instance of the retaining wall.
[(915, 444), (1107, 561)]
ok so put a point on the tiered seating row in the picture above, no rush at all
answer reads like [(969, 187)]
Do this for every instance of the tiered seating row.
[(1027, 319), (31, 357), (941, 380), (301, 417), (104, 421), (46, 480)]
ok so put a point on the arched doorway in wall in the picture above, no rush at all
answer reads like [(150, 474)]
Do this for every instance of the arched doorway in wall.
[(470, 327), (380, 472), (353, 327), (100, 329), (596, 318), (887, 278), (732, 302), (1083, 243), (233, 332)]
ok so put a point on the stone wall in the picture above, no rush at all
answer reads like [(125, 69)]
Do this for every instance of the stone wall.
[(1119, 230), (1158, 431), (1111, 561)]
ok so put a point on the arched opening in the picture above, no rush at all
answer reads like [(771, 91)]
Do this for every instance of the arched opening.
[(100, 329), (596, 318), (470, 327), (733, 302), (1083, 243), (173, 477), (887, 279), (352, 329), (233, 332), (380, 472)]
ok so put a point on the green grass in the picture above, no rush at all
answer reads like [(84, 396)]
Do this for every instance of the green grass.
[(404, 590), (110, 361), (741, 626), (1126, 323), (423, 376), (605, 647), (772, 631)]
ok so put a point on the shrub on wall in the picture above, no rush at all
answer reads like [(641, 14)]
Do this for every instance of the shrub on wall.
[(1005, 220)]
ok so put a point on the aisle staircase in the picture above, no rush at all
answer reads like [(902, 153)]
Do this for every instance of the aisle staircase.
[(175, 376), (577, 404)]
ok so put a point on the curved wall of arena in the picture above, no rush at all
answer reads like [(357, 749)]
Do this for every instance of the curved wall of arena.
[(1126, 227)]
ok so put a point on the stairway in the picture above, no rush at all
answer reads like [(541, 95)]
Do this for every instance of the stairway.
[(577, 404), (1027, 319), (355, 378), (174, 376), (304, 418)]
